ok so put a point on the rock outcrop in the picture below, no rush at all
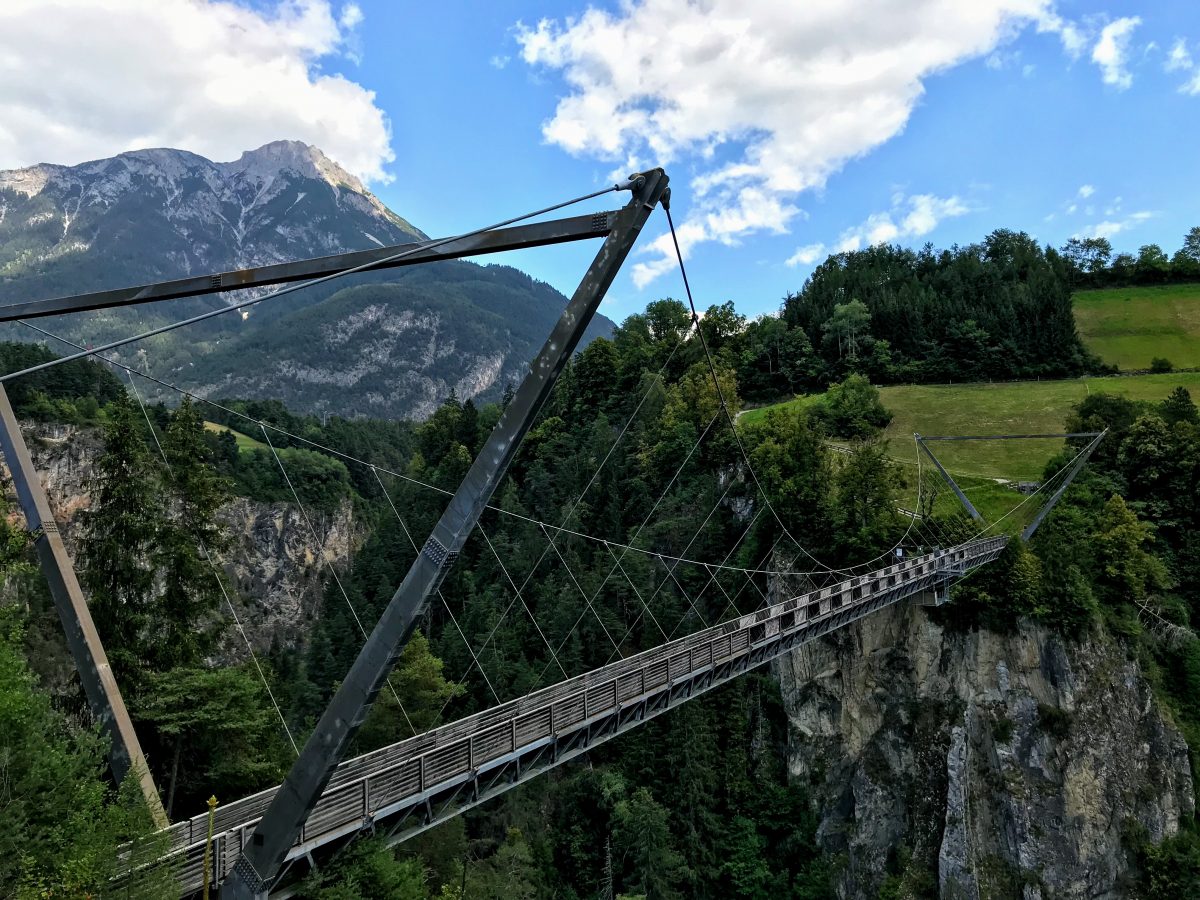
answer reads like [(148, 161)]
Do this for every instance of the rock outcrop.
[(978, 765), (274, 564)]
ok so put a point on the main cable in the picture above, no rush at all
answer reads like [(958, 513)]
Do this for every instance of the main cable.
[(666, 205), (341, 454)]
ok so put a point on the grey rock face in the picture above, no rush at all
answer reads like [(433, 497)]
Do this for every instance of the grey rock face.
[(991, 766), (275, 562)]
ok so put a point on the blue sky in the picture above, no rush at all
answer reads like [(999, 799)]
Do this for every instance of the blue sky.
[(789, 133)]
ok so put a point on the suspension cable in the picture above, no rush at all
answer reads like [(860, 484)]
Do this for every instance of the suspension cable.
[(220, 582), (666, 205), (348, 457), (332, 570), (441, 596)]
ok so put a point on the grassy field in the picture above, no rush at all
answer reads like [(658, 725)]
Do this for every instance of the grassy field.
[(244, 442), (1130, 326), (1019, 408)]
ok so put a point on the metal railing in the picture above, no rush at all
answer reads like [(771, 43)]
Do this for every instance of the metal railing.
[(409, 786)]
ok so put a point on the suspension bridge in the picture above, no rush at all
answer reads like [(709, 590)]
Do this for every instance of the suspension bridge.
[(263, 843)]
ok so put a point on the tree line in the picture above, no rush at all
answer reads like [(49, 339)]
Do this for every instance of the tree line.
[(1092, 264), (695, 804)]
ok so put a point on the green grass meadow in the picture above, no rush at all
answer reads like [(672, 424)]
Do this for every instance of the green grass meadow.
[(1130, 326), (1026, 407), (244, 441)]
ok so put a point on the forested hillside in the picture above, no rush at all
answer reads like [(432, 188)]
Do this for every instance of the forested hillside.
[(696, 804)]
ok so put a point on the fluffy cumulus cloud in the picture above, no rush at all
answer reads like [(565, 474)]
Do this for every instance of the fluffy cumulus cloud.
[(1110, 228), (909, 217), (1179, 59), (1111, 52), (763, 100), (84, 79)]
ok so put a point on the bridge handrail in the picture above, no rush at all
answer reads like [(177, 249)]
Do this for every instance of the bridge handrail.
[(484, 737)]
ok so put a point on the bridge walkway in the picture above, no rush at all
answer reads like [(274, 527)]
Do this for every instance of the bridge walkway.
[(414, 784)]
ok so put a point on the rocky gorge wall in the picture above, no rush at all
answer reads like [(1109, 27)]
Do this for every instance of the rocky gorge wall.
[(274, 565), (978, 766)]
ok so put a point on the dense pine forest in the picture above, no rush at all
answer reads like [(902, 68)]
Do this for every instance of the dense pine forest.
[(694, 804)]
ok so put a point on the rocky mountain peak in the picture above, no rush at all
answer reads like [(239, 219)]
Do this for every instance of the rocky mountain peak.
[(272, 159)]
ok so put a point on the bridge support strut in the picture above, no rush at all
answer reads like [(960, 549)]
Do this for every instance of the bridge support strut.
[(99, 685), (259, 865)]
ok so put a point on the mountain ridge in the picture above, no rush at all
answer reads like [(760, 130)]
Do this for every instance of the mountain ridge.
[(156, 214)]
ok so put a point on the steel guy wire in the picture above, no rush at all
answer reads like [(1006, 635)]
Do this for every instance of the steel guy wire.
[(729, 416), (220, 582), (748, 580), (637, 594), (416, 549), (571, 572), (332, 570), (521, 597), (348, 457), (375, 264), (635, 535)]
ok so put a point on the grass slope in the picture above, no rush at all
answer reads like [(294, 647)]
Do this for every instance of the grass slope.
[(244, 442), (1016, 408), (1130, 326)]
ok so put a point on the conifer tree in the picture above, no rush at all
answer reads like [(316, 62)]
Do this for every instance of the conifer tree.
[(119, 533), (191, 591)]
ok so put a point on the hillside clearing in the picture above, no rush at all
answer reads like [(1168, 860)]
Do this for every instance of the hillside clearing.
[(244, 442), (1130, 326), (1013, 408)]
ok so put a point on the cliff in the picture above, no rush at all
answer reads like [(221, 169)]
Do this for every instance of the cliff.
[(978, 765), (275, 562)]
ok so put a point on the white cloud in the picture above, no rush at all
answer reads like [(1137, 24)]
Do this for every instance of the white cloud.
[(1074, 37), (499, 61), (1111, 52), (807, 255), (351, 17), (1111, 228), (1179, 58), (97, 77), (1086, 191), (909, 217), (764, 99)]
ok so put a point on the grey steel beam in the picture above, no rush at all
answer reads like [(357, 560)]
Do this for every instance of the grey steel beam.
[(539, 234), (1009, 437), (103, 694), (950, 481), (1049, 505), (281, 825)]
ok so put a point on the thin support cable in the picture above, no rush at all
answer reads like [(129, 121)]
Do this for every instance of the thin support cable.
[(374, 264), (634, 537), (596, 474), (220, 583), (671, 577), (350, 458), (638, 594), (729, 415), (570, 572), (332, 571), (521, 598), (749, 580), (441, 596), (717, 569)]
